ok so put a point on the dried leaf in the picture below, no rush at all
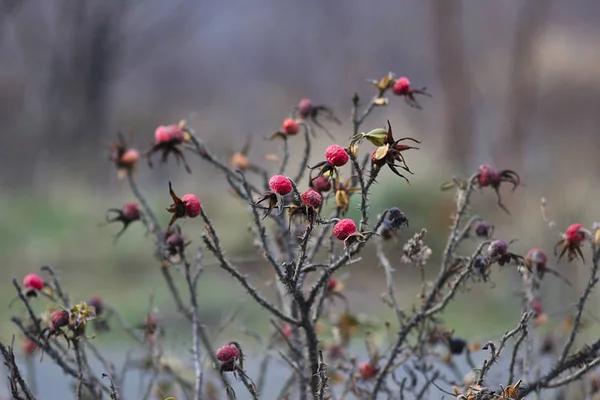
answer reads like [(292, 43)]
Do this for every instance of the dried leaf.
[(381, 152), (512, 392), (376, 136), (597, 237), (272, 157), (381, 101)]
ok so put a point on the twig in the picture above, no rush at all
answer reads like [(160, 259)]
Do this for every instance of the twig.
[(213, 245), (15, 377)]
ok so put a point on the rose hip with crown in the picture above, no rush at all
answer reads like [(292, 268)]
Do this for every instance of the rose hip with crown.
[(167, 140), (335, 156), (483, 229), (279, 186), (124, 158), (487, 176), (187, 206), (402, 88), (571, 242), (308, 111), (536, 259), (312, 199), (129, 213), (228, 356)]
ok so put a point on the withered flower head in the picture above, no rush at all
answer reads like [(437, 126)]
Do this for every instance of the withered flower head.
[(390, 152), (343, 191)]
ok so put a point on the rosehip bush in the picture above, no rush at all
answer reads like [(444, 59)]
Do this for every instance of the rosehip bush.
[(300, 226)]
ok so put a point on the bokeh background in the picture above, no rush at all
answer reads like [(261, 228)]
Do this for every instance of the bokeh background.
[(514, 83)]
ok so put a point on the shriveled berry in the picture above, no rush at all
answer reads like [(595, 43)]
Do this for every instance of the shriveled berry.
[(305, 108), (58, 319), (287, 330), (497, 248), (401, 87), (457, 345), (192, 205), (131, 211), (97, 303), (312, 198), (486, 175), (482, 229), (396, 218), (280, 184), (536, 257), (575, 233), (344, 228), (321, 184), (33, 281), (336, 155), (367, 370), (290, 126), (129, 158)]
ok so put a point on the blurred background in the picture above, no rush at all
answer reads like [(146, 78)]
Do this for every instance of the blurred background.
[(514, 83)]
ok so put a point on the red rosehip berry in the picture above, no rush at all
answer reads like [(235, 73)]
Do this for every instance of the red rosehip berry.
[(486, 175), (312, 198), (131, 211), (227, 353), (305, 108), (192, 205), (33, 282), (176, 133), (161, 134), (58, 319), (28, 346), (344, 228), (280, 184), (321, 184), (575, 233), (401, 87), (129, 158), (537, 258), (290, 126), (497, 248), (367, 370), (336, 155)]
